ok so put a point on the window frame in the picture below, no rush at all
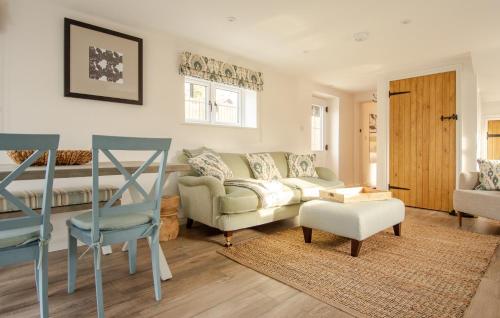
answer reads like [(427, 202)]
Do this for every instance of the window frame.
[(322, 128), (196, 81), (211, 108)]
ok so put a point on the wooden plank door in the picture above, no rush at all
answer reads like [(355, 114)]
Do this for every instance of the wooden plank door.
[(494, 139), (422, 140)]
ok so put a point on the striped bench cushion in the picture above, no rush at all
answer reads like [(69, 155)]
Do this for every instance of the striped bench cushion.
[(61, 197)]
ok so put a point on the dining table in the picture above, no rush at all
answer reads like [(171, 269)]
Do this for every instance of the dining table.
[(105, 169)]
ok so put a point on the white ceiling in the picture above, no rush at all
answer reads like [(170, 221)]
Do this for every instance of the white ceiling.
[(277, 32)]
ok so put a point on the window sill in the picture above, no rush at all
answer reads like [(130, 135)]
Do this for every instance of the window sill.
[(187, 123)]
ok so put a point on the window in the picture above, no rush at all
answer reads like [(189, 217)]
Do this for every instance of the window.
[(317, 128), (219, 104)]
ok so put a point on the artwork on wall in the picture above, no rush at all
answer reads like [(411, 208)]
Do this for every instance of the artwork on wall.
[(372, 141), (101, 64)]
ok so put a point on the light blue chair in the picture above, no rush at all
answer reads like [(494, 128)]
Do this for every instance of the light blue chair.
[(110, 224), (26, 238)]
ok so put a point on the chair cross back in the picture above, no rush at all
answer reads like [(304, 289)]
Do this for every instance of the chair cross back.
[(40, 144), (106, 144)]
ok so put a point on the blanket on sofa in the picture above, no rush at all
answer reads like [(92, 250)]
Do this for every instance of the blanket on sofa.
[(271, 193)]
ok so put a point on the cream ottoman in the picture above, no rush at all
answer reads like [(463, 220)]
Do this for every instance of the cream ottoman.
[(357, 221)]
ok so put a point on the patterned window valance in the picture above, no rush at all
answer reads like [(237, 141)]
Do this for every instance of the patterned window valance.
[(221, 72)]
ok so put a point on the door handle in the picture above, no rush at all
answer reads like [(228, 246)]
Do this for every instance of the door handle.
[(397, 188)]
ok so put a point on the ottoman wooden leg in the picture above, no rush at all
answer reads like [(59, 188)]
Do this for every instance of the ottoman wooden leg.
[(307, 234), (355, 247), (459, 218), (397, 229)]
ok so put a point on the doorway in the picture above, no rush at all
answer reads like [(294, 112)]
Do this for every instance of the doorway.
[(493, 140), (368, 144)]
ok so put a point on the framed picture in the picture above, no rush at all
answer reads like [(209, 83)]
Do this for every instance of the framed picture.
[(101, 64)]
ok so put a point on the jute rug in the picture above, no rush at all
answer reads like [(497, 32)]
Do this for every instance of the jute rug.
[(430, 271)]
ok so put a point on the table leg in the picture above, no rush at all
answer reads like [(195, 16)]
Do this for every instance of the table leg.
[(165, 272)]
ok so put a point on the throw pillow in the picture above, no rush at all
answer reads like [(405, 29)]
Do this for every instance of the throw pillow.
[(301, 165), (263, 166), (191, 153), (489, 174), (208, 164)]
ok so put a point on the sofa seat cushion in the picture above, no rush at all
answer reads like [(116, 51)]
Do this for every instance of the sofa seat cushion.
[(478, 202), (310, 187), (115, 222), (241, 200), (60, 197)]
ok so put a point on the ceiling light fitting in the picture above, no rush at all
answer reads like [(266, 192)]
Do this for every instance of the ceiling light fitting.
[(361, 36)]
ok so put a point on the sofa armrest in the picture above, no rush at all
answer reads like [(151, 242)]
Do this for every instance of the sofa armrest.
[(326, 174), (468, 180), (215, 187), (200, 198)]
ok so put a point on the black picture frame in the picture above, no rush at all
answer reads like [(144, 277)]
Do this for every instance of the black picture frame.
[(67, 63)]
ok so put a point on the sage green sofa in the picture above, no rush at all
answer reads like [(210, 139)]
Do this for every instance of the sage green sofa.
[(229, 208)]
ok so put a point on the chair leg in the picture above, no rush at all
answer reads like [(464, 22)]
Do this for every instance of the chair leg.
[(36, 276), (72, 265), (132, 252), (459, 218), (155, 260), (98, 282), (189, 223), (43, 282)]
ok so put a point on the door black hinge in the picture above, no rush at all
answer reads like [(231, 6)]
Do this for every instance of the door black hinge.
[(397, 188), (452, 117), (326, 147), (398, 93), (326, 109)]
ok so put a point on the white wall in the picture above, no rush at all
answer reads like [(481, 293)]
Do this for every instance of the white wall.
[(491, 108), (33, 101), (468, 132)]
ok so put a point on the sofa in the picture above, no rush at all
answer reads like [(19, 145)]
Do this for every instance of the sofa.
[(476, 202), (229, 208)]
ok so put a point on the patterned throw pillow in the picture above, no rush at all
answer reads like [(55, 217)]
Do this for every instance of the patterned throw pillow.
[(263, 166), (209, 164), (301, 165), (489, 174), (191, 153)]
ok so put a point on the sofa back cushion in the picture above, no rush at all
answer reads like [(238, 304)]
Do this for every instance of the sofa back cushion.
[(238, 163)]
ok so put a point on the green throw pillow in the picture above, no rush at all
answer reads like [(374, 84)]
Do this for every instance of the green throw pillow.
[(208, 164), (489, 174), (263, 166), (301, 165)]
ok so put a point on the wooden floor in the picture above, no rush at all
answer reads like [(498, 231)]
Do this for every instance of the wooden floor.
[(205, 284)]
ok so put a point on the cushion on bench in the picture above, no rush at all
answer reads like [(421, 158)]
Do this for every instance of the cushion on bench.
[(60, 197)]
